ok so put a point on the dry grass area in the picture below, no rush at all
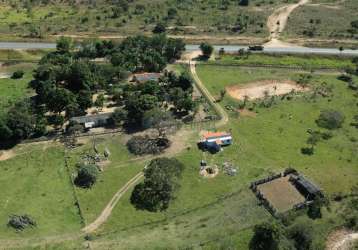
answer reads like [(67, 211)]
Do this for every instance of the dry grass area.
[(281, 194), (260, 89)]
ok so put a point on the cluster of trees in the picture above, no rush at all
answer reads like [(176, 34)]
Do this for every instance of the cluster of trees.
[(274, 236), (67, 78), (155, 103), (328, 119), (162, 177), (20, 122)]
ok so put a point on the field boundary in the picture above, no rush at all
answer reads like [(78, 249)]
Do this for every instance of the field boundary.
[(77, 202), (296, 67)]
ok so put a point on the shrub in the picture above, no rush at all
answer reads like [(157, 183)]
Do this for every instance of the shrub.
[(345, 78), (17, 74), (330, 119), (140, 145), (21, 222), (266, 236), (86, 175), (307, 150), (159, 28), (301, 234)]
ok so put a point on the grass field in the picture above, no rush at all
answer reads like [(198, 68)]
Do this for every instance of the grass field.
[(12, 90), (306, 62), (36, 183), (117, 172), (326, 19), (281, 137), (185, 17)]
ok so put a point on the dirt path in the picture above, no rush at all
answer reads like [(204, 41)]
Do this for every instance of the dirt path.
[(341, 240), (106, 212), (224, 118), (276, 23)]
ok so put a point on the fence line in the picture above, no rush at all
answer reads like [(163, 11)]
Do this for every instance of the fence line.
[(75, 196), (297, 67)]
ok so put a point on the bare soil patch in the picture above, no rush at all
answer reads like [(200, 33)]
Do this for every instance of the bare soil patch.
[(247, 113), (7, 154), (281, 194), (261, 89), (341, 239), (209, 171)]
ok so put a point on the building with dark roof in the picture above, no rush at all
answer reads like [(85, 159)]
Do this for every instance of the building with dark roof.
[(146, 77), (92, 121), (306, 187)]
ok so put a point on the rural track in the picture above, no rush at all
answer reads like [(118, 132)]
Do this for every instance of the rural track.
[(277, 21), (224, 118), (106, 212)]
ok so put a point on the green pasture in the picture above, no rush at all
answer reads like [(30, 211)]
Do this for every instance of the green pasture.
[(306, 62), (36, 182), (12, 90)]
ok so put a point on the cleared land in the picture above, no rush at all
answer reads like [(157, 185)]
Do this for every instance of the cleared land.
[(262, 89), (281, 194)]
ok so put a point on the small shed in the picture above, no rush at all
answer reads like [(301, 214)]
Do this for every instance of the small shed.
[(146, 77), (215, 140), (92, 121), (306, 187)]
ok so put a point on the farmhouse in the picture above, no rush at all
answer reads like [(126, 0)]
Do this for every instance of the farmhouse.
[(146, 77), (215, 140), (92, 121)]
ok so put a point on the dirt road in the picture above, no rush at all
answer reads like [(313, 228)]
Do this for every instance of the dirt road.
[(276, 23), (224, 118), (106, 212)]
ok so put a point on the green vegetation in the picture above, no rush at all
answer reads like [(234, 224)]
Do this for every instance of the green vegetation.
[(334, 20), (36, 183), (161, 182), (12, 90), (36, 20), (306, 62)]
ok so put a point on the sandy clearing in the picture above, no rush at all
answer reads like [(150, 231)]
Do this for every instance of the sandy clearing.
[(7, 154), (341, 239), (261, 89), (289, 195)]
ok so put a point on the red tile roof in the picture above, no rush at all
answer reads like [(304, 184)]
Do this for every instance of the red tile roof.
[(215, 134)]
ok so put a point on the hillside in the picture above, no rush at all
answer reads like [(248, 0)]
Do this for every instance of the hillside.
[(45, 19)]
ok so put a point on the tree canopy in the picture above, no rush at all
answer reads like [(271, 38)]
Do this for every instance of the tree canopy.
[(162, 177)]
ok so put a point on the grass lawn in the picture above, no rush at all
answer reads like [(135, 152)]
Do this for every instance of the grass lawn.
[(119, 170), (12, 90), (306, 62), (36, 183)]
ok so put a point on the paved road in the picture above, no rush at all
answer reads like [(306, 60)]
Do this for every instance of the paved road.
[(284, 50), (228, 48)]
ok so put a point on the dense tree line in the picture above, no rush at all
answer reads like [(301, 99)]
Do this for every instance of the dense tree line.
[(66, 79), (140, 102)]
